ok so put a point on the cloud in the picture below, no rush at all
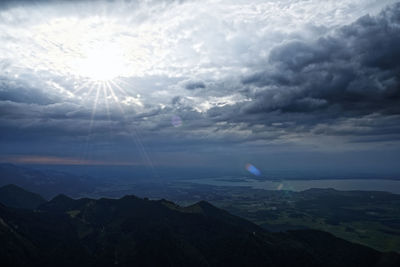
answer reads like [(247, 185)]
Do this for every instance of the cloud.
[(352, 72), (355, 68), (52, 160), (257, 73), (195, 85)]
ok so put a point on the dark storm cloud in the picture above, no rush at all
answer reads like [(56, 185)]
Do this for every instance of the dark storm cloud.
[(344, 84), (13, 3), (195, 85), (21, 92), (354, 71)]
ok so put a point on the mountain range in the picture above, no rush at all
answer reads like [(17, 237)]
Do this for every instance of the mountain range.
[(48, 183), (132, 231)]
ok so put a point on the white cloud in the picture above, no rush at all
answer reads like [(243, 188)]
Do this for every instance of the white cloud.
[(94, 54)]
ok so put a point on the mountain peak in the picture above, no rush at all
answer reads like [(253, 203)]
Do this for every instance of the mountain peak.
[(61, 198), (17, 197), (131, 231)]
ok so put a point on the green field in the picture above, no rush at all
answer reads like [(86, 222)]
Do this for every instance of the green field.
[(369, 218)]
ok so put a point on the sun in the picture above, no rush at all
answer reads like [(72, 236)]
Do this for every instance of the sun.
[(97, 68), (102, 62)]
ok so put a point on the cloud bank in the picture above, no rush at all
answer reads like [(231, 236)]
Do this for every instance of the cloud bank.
[(242, 77)]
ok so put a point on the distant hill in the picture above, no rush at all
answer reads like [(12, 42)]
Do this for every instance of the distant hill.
[(16, 197), (138, 232), (46, 183)]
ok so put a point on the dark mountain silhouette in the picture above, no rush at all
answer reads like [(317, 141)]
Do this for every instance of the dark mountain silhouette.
[(16, 197), (139, 232)]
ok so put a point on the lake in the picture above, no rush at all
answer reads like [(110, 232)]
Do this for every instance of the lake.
[(392, 186)]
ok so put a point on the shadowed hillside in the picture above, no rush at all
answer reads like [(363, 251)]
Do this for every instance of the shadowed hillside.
[(14, 196), (138, 232)]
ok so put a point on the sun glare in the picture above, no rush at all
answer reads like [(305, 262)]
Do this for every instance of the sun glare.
[(102, 63)]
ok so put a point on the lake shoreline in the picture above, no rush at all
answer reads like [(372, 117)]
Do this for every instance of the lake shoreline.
[(298, 185)]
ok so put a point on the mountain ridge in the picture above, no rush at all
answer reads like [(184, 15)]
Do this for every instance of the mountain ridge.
[(135, 231), (17, 197)]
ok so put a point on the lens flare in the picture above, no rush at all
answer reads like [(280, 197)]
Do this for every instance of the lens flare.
[(176, 121), (252, 169)]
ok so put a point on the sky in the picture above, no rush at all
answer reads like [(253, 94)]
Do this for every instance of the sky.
[(299, 86)]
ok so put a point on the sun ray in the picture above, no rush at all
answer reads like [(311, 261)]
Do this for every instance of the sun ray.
[(85, 153), (106, 100), (82, 86), (91, 88), (134, 133), (94, 109), (115, 98), (99, 68), (119, 80), (122, 90), (107, 104)]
